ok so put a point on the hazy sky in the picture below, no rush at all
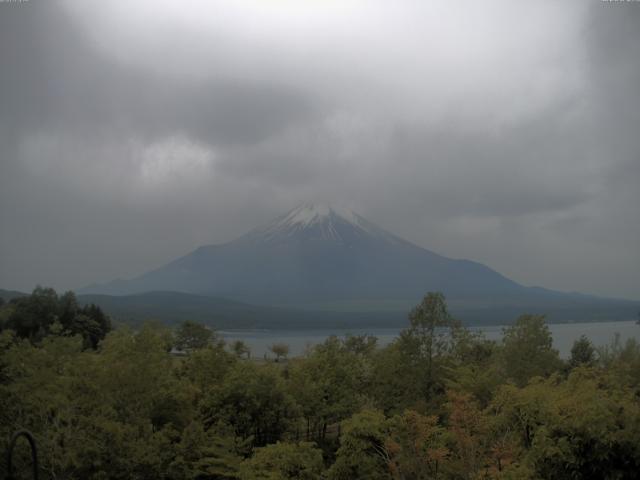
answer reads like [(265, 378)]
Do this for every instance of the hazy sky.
[(507, 132)]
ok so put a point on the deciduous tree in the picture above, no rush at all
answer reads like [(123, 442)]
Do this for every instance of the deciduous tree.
[(280, 350), (284, 461), (527, 349), (192, 335)]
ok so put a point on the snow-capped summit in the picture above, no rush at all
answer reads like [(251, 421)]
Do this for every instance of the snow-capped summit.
[(317, 220), (310, 213)]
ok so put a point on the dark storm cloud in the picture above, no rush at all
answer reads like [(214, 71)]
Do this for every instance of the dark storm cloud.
[(66, 108), (54, 79), (132, 132)]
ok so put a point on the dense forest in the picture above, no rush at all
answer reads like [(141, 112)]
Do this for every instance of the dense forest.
[(439, 402)]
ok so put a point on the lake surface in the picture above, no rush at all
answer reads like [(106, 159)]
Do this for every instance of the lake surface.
[(564, 334)]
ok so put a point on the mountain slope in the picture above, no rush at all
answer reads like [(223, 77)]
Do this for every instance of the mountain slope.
[(317, 253), (320, 255)]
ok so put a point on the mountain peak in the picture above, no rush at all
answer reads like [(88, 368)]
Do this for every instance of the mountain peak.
[(316, 220), (312, 213)]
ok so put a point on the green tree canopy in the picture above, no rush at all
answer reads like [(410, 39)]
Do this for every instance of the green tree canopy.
[(328, 385), (527, 349), (284, 461), (192, 335), (44, 312), (253, 399), (362, 452)]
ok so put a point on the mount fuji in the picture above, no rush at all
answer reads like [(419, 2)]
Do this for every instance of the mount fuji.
[(322, 257)]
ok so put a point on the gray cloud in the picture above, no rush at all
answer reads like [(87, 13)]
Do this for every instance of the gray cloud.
[(131, 133)]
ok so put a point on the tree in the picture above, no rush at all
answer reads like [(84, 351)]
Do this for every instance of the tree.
[(5, 313), (252, 399), (68, 309), (283, 461), (33, 316), (241, 349), (582, 353), (360, 344), (475, 366), (328, 386), (363, 451), (192, 335), (141, 382), (43, 313), (468, 427), (417, 446), (280, 350), (406, 446), (88, 321), (584, 427), (206, 368), (95, 334), (88, 328), (399, 381), (431, 313), (412, 370), (527, 349), (213, 453)]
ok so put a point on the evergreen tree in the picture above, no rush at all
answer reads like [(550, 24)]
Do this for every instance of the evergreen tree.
[(582, 353)]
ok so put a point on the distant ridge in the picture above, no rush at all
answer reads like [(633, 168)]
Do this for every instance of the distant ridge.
[(7, 295), (173, 307)]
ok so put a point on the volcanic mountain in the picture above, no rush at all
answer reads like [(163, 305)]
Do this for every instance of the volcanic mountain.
[(321, 256)]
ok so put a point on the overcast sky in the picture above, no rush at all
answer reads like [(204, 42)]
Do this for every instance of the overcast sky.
[(506, 132)]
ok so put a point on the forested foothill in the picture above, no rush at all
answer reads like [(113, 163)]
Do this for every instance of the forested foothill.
[(440, 402)]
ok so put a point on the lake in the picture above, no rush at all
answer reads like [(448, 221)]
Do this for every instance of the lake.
[(564, 334)]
